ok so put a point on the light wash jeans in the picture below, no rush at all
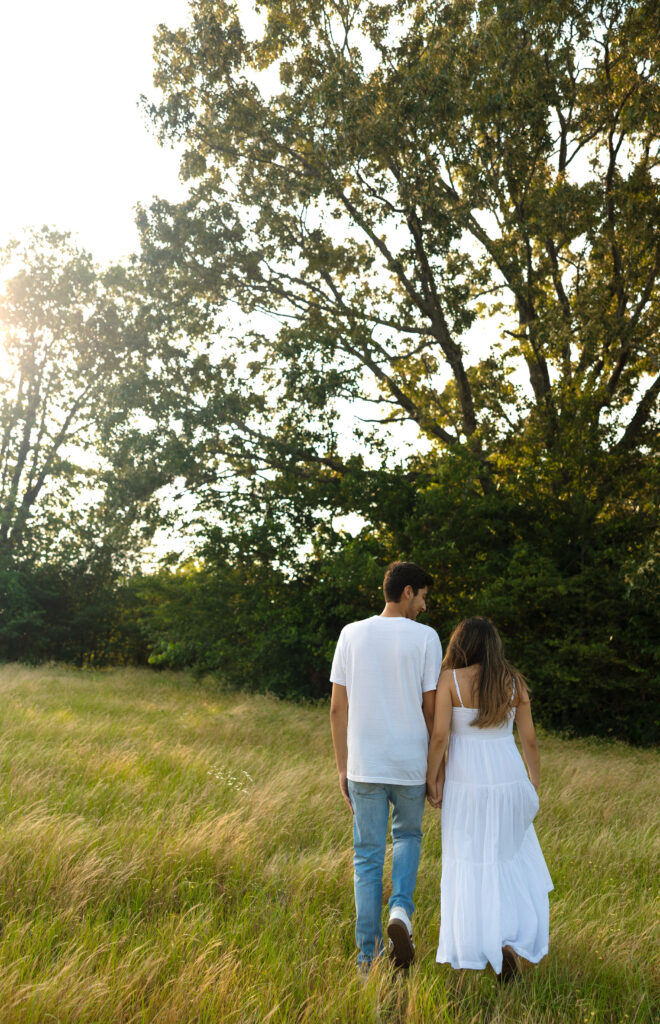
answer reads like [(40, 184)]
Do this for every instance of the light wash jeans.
[(371, 806)]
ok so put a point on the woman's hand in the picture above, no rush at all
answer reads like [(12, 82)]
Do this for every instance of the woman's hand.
[(434, 792)]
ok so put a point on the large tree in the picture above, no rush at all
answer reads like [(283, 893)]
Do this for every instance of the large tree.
[(87, 441), (382, 178), (78, 455)]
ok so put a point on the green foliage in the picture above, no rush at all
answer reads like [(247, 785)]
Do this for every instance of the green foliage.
[(573, 607), (256, 627), (407, 171), (67, 614)]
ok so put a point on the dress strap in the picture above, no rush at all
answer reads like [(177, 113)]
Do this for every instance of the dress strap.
[(513, 695), (458, 691)]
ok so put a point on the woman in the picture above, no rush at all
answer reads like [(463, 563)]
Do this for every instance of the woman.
[(495, 883)]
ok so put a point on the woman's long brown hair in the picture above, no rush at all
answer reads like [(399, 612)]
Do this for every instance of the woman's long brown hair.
[(475, 641)]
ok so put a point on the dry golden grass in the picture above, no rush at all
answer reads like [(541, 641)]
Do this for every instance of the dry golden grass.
[(173, 853)]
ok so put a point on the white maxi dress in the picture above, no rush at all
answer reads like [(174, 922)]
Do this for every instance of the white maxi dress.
[(495, 882)]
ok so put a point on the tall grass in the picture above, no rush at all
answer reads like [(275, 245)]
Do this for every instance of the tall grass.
[(172, 853)]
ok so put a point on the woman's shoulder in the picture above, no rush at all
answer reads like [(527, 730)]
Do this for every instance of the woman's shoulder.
[(460, 684), (520, 691), (445, 678)]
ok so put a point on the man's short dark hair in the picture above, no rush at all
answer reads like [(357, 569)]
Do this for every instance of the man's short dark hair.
[(400, 575)]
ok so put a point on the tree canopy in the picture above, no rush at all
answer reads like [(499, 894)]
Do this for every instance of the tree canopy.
[(384, 178)]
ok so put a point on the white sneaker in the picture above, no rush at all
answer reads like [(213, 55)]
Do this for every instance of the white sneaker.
[(399, 930)]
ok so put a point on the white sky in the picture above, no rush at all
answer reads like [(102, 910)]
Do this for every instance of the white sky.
[(75, 149)]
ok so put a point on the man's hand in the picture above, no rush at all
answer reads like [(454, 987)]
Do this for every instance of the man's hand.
[(434, 794), (343, 785)]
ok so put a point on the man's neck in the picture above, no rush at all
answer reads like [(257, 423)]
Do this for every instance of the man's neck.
[(393, 610)]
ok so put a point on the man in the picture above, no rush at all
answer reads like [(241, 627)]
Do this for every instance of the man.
[(384, 676)]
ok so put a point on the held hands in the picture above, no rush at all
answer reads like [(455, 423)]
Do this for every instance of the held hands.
[(435, 787), (434, 792)]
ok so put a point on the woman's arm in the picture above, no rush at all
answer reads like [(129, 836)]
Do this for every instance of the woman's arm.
[(436, 801), (527, 733), (439, 740)]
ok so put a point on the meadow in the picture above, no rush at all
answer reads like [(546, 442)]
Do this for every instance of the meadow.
[(171, 852)]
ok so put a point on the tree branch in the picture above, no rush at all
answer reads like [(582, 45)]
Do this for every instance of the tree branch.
[(644, 410)]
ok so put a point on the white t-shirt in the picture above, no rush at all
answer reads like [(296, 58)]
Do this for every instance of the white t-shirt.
[(386, 664)]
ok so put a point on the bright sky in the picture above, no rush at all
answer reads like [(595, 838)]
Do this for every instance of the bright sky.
[(76, 150)]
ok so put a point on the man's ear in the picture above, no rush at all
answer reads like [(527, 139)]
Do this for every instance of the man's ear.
[(408, 592)]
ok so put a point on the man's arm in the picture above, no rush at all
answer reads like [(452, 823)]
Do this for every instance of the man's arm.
[(428, 709), (339, 727), (430, 676)]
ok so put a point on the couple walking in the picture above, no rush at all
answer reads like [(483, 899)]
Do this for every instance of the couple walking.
[(391, 692)]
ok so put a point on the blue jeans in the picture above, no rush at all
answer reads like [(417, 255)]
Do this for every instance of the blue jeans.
[(371, 807)]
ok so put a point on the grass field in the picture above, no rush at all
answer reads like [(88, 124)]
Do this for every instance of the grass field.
[(173, 853)]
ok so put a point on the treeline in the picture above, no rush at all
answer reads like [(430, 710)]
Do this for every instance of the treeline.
[(443, 216), (580, 617)]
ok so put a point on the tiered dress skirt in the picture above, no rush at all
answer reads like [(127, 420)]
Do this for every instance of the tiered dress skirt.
[(495, 882)]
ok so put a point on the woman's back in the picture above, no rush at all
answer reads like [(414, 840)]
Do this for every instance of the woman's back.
[(494, 878), (465, 707)]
